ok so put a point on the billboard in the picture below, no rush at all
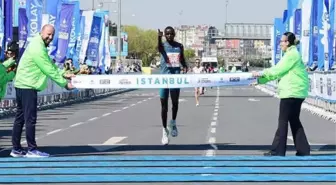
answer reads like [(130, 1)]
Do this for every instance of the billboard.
[(114, 45)]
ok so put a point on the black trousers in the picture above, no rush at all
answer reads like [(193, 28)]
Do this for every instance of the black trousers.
[(26, 114), (290, 109)]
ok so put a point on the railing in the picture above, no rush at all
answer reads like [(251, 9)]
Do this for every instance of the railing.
[(54, 96)]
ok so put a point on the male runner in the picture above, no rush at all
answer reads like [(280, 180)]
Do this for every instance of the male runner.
[(172, 59), (198, 69)]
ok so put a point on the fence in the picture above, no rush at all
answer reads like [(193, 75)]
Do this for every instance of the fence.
[(54, 96), (322, 91)]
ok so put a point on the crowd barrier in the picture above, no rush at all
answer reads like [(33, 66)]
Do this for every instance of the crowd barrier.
[(322, 93), (54, 96)]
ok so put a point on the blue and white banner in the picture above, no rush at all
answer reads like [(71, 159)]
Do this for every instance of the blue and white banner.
[(313, 43), (93, 46), (323, 36), (75, 30), (285, 20), (101, 54), (331, 33), (50, 17), (297, 25), (292, 5), (305, 29), (34, 15), (64, 26), (17, 5), (278, 31), (124, 44), (23, 33), (161, 81), (2, 33), (88, 14), (107, 47), (79, 42), (8, 21)]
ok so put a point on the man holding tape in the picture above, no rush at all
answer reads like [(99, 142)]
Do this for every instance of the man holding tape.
[(34, 67), (172, 59)]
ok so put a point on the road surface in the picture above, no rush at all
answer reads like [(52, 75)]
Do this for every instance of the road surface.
[(119, 139)]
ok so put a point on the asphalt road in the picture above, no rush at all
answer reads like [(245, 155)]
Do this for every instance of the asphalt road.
[(223, 138)]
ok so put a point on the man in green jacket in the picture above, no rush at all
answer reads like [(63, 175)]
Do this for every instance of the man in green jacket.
[(292, 89), (34, 68)]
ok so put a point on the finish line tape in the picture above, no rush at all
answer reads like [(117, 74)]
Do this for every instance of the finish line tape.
[(161, 81)]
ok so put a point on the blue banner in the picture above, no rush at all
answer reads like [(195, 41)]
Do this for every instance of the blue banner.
[(323, 36), (74, 30), (124, 44), (313, 43), (292, 5), (79, 42), (278, 31), (23, 34), (92, 51), (64, 27), (297, 25), (2, 34), (331, 32), (51, 11), (34, 15), (285, 20), (8, 21)]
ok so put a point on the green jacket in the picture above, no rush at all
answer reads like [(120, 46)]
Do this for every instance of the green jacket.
[(292, 73), (5, 77), (35, 66)]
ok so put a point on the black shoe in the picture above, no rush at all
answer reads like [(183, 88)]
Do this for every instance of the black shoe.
[(271, 153), (301, 155)]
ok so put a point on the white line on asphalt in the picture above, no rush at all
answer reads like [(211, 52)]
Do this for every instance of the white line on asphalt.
[(92, 119), (53, 132), (216, 110), (125, 108), (116, 111), (216, 114), (139, 102), (213, 123), (77, 124), (213, 130), (212, 140), (107, 114), (215, 118), (132, 105)]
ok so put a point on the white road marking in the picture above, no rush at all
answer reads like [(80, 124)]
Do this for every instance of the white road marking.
[(116, 111), (53, 132), (77, 124), (92, 119), (107, 114)]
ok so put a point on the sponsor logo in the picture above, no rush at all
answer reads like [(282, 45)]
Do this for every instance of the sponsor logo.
[(204, 80), (105, 81), (234, 79), (124, 82)]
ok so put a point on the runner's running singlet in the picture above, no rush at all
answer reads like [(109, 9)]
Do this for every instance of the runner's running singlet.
[(171, 63)]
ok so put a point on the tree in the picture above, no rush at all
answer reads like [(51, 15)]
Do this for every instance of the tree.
[(142, 43), (189, 54)]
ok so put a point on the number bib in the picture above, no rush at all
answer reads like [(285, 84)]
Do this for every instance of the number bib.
[(174, 60)]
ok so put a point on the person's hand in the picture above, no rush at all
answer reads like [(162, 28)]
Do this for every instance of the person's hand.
[(69, 87), (68, 76), (160, 33)]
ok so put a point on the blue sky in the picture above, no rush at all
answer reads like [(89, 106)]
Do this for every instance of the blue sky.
[(159, 13)]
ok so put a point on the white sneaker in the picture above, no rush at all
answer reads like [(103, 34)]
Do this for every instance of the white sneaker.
[(165, 136), (173, 129)]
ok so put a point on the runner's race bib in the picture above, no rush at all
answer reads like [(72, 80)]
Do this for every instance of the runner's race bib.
[(174, 60)]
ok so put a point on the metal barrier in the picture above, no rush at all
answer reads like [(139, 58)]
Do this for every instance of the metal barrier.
[(322, 90), (54, 96)]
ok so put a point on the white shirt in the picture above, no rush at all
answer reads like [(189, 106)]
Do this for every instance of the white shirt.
[(198, 70)]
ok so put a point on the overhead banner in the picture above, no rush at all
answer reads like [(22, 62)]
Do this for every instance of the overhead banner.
[(93, 45), (23, 34), (305, 29), (8, 21), (285, 20), (107, 47), (34, 15), (64, 26), (88, 14), (161, 81)]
